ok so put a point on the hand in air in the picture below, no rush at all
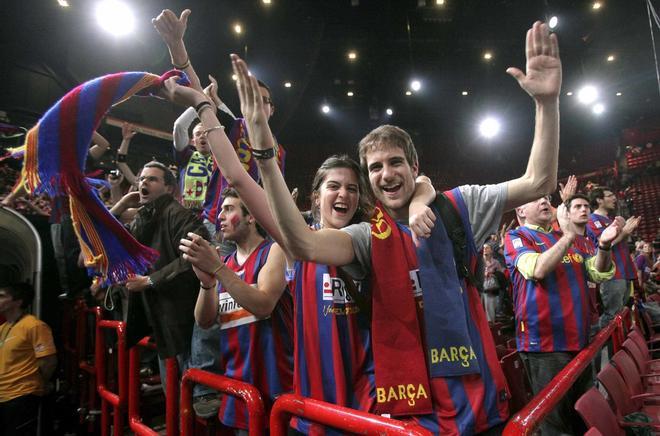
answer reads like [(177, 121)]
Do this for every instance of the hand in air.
[(569, 189), (171, 28), (612, 231), (199, 252)]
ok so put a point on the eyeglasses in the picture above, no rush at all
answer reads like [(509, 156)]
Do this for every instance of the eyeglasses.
[(267, 100)]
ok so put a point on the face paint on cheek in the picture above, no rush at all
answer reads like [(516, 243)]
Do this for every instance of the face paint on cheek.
[(234, 221)]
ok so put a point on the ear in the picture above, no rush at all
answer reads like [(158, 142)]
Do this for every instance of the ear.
[(170, 189), (415, 169)]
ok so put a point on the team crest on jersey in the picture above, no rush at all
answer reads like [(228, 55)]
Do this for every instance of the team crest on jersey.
[(517, 243), (334, 289), (380, 228), (597, 224)]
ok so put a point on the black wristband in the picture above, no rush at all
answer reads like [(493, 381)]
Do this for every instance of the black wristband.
[(121, 157), (269, 153), (600, 247), (201, 105)]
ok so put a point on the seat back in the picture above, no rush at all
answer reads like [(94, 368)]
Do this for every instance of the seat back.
[(516, 377), (617, 391), (593, 431), (637, 356), (628, 370), (637, 337), (595, 412)]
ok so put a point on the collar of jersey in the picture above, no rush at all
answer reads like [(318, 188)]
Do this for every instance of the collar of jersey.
[(539, 228)]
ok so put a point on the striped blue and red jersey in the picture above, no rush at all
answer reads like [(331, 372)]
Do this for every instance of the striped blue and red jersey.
[(625, 267), (253, 350), (551, 314), (471, 403), (333, 356), (238, 135)]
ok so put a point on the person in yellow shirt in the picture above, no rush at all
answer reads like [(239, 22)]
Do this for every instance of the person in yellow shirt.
[(27, 359)]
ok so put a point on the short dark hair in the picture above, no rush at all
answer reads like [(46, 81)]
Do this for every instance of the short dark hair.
[(263, 85), (231, 192), (168, 177), (20, 291), (597, 194), (577, 195)]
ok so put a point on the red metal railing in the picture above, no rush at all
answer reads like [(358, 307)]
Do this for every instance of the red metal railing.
[(535, 411), (241, 390), (171, 398), (335, 416), (88, 401), (118, 400)]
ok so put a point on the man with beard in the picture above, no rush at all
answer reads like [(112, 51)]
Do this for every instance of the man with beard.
[(549, 270), (165, 298)]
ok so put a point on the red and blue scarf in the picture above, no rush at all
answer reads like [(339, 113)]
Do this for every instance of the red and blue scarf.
[(55, 153)]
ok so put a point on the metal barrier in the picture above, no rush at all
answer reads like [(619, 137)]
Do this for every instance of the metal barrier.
[(244, 391), (335, 416), (118, 400), (88, 406), (533, 413), (171, 399)]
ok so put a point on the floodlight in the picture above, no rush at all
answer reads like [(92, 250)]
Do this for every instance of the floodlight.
[(115, 17)]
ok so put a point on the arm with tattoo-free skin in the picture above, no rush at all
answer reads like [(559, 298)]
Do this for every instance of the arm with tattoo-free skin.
[(542, 81)]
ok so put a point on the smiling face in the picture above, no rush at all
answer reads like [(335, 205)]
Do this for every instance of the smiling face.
[(337, 198), (392, 178), (200, 141), (537, 213)]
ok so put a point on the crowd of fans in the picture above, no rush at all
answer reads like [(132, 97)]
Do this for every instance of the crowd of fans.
[(243, 287)]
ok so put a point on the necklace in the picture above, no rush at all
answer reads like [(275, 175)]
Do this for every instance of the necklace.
[(11, 326)]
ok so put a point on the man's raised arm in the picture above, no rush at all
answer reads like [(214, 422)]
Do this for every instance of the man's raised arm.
[(542, 81)]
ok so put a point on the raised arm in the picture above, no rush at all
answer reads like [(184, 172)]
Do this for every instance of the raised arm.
[(127, 133), (101, 145), (327, 246), (172, 29), (542, 81)]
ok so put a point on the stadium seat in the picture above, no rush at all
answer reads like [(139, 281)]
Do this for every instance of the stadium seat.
[(621, 397), (628, 370), (641, 359), (516, 377), (595, 412)]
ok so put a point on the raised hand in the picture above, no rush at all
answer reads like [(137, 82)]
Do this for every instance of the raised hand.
[(542, 80), (200, 254), (631, 225), (252, 106), (127, 131), (211, 91), (171, 28), (563, 219), (612, 231), (569, 189), (182, 95)]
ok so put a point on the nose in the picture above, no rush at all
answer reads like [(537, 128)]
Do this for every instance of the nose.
[(388, 172)]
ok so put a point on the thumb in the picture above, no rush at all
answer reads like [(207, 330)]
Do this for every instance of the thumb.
[(184, 16), (515, 73), (415, 239)]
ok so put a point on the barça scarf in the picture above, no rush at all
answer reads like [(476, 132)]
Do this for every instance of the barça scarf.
[(55, 153)]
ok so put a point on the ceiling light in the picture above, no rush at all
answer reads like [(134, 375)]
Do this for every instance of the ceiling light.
[(489, 127), (619, 94), (408, 92), (325, 109), (464, 93), (415, 85), (598, 108), (389, 111), (287, 84), (596, 5), (488, 56), (115, 17), (63, 3), (349, 93), (569, 93), (352, 55), (266, 2), (587, 94), (552, 23), (234, 77), (238, 29), (440, 2), (610, 58)]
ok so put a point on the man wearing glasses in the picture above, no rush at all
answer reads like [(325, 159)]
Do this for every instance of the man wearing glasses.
[(165, 298), (615, 292)]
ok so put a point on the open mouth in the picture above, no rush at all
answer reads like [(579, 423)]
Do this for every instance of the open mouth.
[(144, 191), (391, 189), (340, 207)]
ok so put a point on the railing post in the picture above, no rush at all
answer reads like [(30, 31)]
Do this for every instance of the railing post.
[(172, 396), (116, 400), (617, 335), (134, 419)]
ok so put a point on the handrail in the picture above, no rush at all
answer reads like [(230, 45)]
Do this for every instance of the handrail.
[(118, 400), (527, 419), (90, 369), (339, 417), (171, 397), (241, 390)]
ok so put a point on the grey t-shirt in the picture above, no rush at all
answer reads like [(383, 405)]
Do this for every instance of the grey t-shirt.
[(485, 204)]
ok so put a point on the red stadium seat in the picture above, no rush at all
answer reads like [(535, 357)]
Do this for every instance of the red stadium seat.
[(621, 397), (595, 412), (628, 370), (516, 377)]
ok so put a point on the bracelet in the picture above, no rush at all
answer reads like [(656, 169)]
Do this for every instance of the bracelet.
[(600, 247), (210, 129), (217, 270), (200, 107), (185, 65), (268, 153), (201, 285), (121, 157)]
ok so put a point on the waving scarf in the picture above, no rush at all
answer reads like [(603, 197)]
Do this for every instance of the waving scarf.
[(55, 153)]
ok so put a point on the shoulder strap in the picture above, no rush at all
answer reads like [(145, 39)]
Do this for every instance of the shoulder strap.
[(456, 233)]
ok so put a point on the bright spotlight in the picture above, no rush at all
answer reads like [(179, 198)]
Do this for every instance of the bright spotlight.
[(408, 92), (618, 94), (352, 55), (464, 93), (287, 84), (389, 111), (598, 108), (325, 109), (63, 3), (234, 77), (350, 94), (610, 58), (596, 5), (115, 17), (238, 29), (266, 2), (552, 23), (415, 85), (587, 94), (439, 2), (489, 127), (488, 56), (569, 93)]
